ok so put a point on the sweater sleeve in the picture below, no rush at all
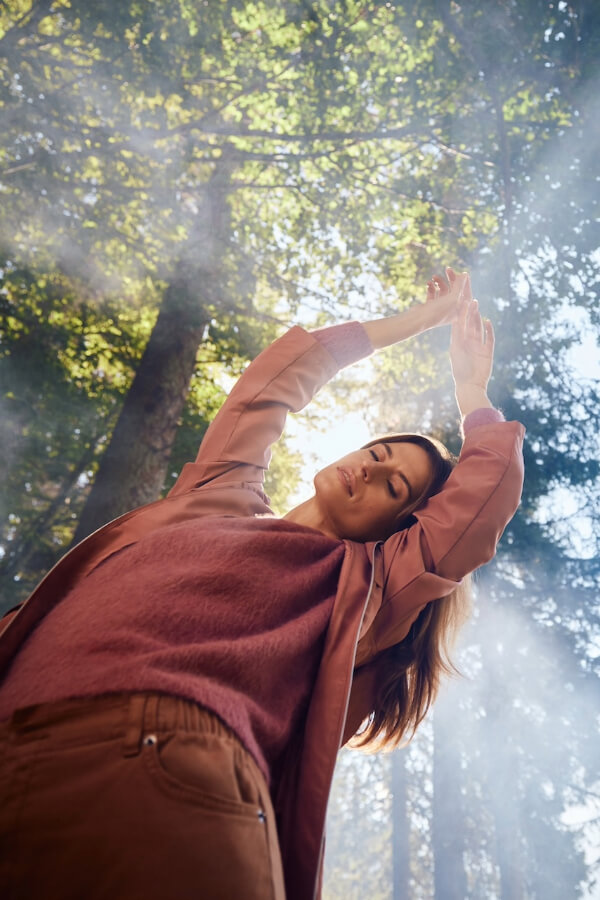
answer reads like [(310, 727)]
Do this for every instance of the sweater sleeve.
[(282, 379), (455, 532)]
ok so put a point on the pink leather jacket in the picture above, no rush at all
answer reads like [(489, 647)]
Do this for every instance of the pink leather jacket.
[(382, 588)]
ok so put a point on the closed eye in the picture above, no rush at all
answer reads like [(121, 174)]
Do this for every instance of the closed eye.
[(374, 455), (392, 490)]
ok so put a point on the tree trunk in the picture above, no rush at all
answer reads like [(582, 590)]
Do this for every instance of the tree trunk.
[(400, 828), (133, 467), (501, 735), (448, 831), (505, 805)]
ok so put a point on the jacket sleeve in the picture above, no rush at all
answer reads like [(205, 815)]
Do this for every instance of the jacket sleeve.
[(8, 616), (282, 379), (456, 532)]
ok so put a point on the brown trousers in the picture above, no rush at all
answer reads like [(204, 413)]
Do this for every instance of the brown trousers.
[(132, 797)]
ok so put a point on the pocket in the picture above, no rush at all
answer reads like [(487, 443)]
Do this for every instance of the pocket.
[(207, 769)]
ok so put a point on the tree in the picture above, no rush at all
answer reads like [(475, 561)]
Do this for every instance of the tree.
[(181, 180), (400, 828), (158, 165)]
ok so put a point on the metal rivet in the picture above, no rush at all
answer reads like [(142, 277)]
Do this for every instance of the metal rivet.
[(261, 816), (150, 739)]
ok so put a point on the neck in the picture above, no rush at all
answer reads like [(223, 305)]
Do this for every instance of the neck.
[(309, 514)]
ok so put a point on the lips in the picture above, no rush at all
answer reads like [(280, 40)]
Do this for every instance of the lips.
[(347, 479)]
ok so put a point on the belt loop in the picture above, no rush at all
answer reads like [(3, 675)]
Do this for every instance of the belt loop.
[(135, 725)]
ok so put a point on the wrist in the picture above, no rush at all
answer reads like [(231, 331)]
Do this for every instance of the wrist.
[(415, 320), (470, 396), (393, 329)]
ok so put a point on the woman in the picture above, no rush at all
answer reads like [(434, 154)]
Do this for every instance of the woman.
[(197, 663)]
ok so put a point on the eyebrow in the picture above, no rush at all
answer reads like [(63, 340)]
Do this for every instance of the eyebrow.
[(401, 475)]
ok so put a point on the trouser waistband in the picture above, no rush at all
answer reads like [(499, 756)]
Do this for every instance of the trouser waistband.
[(130, 716)]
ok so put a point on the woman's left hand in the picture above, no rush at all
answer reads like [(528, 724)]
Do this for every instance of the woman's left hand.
[(445, 296), (442, 306)]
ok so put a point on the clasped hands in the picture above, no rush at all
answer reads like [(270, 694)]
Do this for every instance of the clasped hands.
[(449, 302), (472, 339)]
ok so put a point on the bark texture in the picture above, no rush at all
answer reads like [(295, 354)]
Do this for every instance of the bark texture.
[(133, 468), (400, 827), (448, 827)]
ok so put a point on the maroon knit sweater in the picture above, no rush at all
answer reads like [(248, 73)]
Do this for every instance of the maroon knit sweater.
[(229, 612)]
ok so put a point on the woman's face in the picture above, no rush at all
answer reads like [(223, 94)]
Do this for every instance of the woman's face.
[(362, 495)]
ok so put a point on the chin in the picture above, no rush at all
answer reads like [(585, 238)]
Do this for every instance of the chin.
[(324, 480)]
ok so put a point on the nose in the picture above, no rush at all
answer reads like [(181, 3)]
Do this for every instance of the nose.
[(370, 468)]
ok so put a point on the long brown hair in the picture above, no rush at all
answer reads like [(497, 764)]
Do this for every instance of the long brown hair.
[(409, 673)]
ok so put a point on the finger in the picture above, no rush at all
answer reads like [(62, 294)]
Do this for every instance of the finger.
[(430, 290), (474, 322), (450, 275), (441, 284), (479, 325), (460, 327), (490, 338), (467, 286), (464, 295), (469, 318)]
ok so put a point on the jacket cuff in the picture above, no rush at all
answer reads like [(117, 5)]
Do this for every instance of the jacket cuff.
[(484, 416)]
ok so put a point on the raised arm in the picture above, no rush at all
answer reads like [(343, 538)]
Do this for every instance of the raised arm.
[(286, 375), (457, 530), (281, 379)]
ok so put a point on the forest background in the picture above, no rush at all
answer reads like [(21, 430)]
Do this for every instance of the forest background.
[(181, 181)]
